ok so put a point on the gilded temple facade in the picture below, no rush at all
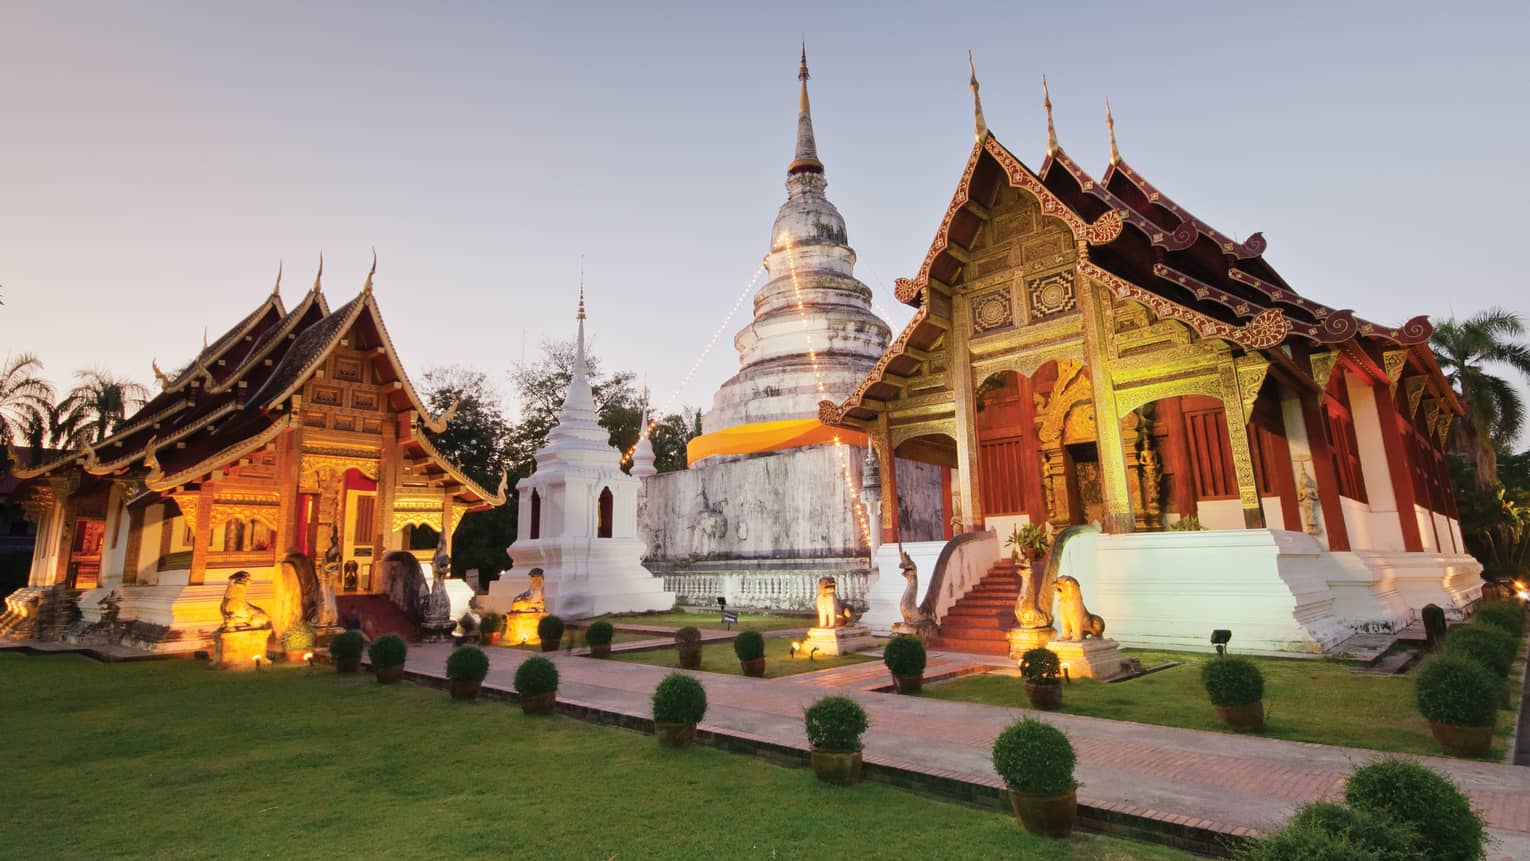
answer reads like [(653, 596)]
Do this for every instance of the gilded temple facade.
[(295, 440), (1087, 352)]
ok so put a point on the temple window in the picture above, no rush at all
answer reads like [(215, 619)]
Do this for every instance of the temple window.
[(605, 515), (536, 515), (1339, 429), (1210, 454)]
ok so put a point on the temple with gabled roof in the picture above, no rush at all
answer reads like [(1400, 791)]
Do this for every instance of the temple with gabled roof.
[(1088, 352), (294, 440)]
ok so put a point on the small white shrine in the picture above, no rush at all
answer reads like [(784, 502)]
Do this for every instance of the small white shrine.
[(578, 519)]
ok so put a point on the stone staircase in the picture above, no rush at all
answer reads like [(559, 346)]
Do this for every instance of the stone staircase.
[(49, 618), (980, 621)]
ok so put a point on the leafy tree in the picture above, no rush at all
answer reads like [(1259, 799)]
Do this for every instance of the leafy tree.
[(95, 407), (476, 440), (670, 435), (1495, 413), (25, 399), (543, 386)]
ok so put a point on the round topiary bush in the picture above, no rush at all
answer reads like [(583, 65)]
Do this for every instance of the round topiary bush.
[(749, 645), (1489, 646), (1040, 666), (679, 698), (298, 638), (347, 646), (904, 656), (1447, 827), (1232, 682), (550, 629), (1456, 690), (389, 650), (1035, 758), (491, 623), (688, 636), (536, 676), (1330, 832), (599, 634), (1507, 615), (467, 663), (835, 724)]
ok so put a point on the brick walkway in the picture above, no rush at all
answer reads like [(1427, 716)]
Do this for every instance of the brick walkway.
[(1215, 781)]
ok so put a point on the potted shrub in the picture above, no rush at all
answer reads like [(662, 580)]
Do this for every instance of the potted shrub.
[(1236, 688), (1488, 645), (1508, 615), (679, 703), (1030, 541), (1043, 678), (598, 637), (905, 659), (1036, 761), (1459, 698), (550, 632), (297, 641), (834, 726), (466, 666), (387, 654), (491, 628), (536, 681), (750, 648), (1436, 809), (688, 644), (345, 649)]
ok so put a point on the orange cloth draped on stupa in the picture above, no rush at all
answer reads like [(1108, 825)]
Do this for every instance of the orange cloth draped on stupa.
[(768, 436)]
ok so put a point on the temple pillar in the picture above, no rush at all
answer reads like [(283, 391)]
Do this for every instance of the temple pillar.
[(1115, 493), (1321, 461), (1399, 466), (1240, 388), (965, 398), (881, 439), (201, 535), (387, 483), (289, 466), (63, 491)]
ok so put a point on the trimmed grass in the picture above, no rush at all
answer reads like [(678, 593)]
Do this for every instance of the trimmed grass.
[(719, 658), (183, 762), (1305, 700), (711, 620)]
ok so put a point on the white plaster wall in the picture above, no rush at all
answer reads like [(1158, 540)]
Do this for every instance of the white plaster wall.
[(1426, 528), (1220, 513), (1447, 533), (886, 592)]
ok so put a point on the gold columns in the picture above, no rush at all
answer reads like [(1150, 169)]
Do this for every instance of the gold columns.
[(1240, 388), (1113, 484), (964, 398)]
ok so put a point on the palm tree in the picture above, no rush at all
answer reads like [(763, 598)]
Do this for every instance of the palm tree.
[(1495, 413), (96, 406), (25, 398)]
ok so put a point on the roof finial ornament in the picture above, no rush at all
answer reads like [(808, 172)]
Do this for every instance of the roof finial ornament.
[(980, 126), (366, 288), (164, 381), (319, 276), (204, 336), (580, 315), (1046, 102), (805, 159), (1110, 123), (277, 290)]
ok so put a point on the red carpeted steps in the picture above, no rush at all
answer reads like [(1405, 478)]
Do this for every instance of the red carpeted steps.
[(980, 621), (378, 616)]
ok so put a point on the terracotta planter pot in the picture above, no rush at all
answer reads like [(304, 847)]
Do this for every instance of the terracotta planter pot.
[(295, 657), (551, 646), (494, 637), (690, 657), (1245, 718), (674, 734), (348, 665), (389, 675), (754, 668), (539, 704), (1463, 740), (909, 684), (1044, 695), (836, 767), (1046, 815), (466, 689), (601, 651)]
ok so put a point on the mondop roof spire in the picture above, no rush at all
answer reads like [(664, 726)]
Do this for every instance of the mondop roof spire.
[(1110, 122), (806, 160), (980, 126), (1046, 102)]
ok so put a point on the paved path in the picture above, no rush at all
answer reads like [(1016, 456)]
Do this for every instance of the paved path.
[(1217, 781)]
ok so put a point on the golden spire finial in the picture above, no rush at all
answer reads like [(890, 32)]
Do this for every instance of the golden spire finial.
[(980, 126), (204, 337), (805, 159), (580, 315), (277, 290), (366, 287), (319, 276), (1046, 102), (1110, 123)]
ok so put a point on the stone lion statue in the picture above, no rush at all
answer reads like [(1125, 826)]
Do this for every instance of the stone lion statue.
[(238, 613), (832, 612), (1074, 621), (531, 600)]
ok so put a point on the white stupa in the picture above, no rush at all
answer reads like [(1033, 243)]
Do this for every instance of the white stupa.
[(578, 518)]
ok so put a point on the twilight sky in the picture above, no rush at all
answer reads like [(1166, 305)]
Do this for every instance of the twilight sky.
[(157, 159)]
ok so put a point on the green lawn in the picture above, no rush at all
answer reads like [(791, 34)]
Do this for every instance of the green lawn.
[(719, 658), (1305, 700), (171, 760), (711, 620)]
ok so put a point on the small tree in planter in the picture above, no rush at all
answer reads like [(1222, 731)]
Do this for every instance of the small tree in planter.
[(750, 648), (834, 726), (1043, 678), (1459, 698), (1030, 541), (491, 628), (387, 654), (1036, 761), (1236, 688), (679, 703), (1488, 645), (298, 641), (536, 680), (550, 632), (345, 649), (598, 637), (1436, 809), (466, 666), (688, 644), (905, 659)]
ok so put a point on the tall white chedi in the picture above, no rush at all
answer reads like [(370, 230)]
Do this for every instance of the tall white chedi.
[(578, 518)]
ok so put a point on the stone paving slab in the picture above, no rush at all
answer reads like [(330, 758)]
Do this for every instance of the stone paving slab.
[(1224, 783)]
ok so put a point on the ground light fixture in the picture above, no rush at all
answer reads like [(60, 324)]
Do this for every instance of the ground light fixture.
[(308, 659), (1066, 677), (1219, 638), (796, 647), (258, 659)]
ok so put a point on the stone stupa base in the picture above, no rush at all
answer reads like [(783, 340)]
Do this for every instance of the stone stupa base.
[(1091, 659), (522, 628), (1022, 640), (838, 641), (236, 650)]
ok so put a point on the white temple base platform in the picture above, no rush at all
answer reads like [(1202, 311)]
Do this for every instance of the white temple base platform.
[(1091, 659), (582, 578), (838, 641)]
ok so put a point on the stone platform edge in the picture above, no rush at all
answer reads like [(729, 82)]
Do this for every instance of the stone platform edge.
[(1200, 836)]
